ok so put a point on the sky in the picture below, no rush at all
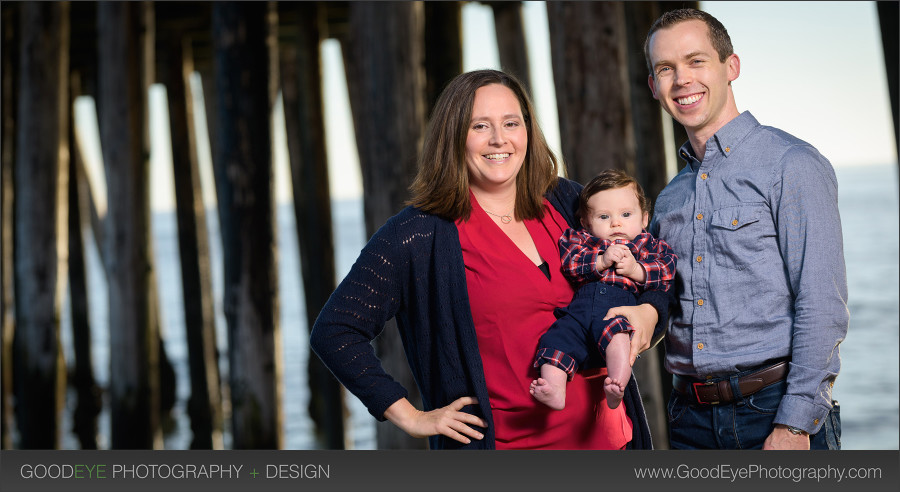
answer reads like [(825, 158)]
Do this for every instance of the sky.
[(821, 79)]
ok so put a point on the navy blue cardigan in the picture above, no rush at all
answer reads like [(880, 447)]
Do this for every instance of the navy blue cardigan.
[(412, 269)]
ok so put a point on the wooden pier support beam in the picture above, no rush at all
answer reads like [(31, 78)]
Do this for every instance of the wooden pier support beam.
[(383, 58), (9, 45), (245, 69), (590, 70), (301, 78), (41, 183), (511, 45), (205, 403), (125, 41)]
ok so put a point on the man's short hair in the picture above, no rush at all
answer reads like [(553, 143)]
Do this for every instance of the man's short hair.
[(717, 33)]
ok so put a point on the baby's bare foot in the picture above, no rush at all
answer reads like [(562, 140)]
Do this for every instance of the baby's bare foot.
[(548, 394), (614, 392)]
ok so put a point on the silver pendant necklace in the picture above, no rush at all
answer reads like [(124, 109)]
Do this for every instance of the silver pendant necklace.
[(506, 218)]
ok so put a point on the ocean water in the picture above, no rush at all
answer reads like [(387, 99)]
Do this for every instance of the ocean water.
[(867, 388)]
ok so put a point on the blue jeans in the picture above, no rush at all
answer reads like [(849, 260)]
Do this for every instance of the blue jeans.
[(742, 424)]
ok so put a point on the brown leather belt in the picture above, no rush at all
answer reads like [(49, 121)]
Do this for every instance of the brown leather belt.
[(717, 392)]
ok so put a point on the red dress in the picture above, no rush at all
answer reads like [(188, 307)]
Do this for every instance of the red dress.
[(512, 306)]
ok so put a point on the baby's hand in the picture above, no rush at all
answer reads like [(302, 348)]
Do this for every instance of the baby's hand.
[(629, 267), (613, 254)]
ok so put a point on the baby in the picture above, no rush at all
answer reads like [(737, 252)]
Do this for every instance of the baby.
[(612, 260)]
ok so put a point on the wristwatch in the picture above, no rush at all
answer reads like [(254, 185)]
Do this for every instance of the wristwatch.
[(795, 431)]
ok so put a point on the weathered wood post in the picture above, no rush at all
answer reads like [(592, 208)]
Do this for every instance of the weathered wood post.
[(245, 75), (590, 70), (443, 47), (205, 403), (511, 43), (125, 41), (650, 158), (88, 393), (679, 134), (41, 181), (650, 171), (383, 58), (888, 13), (301, 84), (9, 45)]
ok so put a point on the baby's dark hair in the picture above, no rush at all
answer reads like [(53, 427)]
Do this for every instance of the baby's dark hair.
[(610, 179)]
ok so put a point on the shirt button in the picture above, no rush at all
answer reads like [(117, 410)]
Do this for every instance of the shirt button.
[(704, 176), (734, 222), (816, 421), (831, 384), (699, 258), (700, 302), (699, 216), (727, 149), (700, 346)]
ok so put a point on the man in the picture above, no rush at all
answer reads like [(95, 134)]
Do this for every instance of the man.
[(761, 282)]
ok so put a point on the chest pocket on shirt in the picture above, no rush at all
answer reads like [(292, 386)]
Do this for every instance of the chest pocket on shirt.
[(739, 235)]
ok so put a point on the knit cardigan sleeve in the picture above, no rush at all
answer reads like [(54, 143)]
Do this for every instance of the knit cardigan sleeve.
[(356, 313)]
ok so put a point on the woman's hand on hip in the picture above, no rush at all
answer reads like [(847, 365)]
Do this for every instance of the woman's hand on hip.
[(643, 318), (448, 421)]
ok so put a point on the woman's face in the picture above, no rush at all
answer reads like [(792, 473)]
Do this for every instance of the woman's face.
[(497, 139)]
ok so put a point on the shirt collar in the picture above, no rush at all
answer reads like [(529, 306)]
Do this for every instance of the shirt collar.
[(724, 142)]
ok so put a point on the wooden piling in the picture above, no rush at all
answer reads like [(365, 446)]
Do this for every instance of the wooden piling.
[(245, 73), (590, 71), (679, 134), (650, 171), (9, 46), (511, 44), (41, 180), (89, 401), (888, 14), (383, 60), (443, 47), (301, 84), (205, 404), (125, 41)]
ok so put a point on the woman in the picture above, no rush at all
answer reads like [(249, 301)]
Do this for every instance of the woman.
[(471, 272)]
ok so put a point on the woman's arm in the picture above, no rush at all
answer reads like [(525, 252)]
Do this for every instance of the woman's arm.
[(355, 314), (370, 295)]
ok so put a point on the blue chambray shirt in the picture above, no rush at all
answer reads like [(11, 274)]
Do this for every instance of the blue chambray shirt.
[(761, 273)]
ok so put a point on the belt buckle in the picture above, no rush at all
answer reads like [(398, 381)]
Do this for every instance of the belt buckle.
[(697, 395)]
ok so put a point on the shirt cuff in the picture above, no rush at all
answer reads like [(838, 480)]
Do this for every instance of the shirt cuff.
[(795, 411), (558, 359)]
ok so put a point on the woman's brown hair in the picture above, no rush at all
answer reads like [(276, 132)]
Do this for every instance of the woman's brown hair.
[(441, 185)]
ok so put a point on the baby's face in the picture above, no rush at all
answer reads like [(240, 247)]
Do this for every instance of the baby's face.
[(615, 214)]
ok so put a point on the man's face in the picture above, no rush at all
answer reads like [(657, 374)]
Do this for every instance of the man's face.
[(688, 79)]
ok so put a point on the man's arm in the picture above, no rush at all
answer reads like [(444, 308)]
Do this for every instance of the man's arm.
[(804, 204)]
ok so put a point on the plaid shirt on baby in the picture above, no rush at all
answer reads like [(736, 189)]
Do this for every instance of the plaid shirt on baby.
[(579, 251)]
